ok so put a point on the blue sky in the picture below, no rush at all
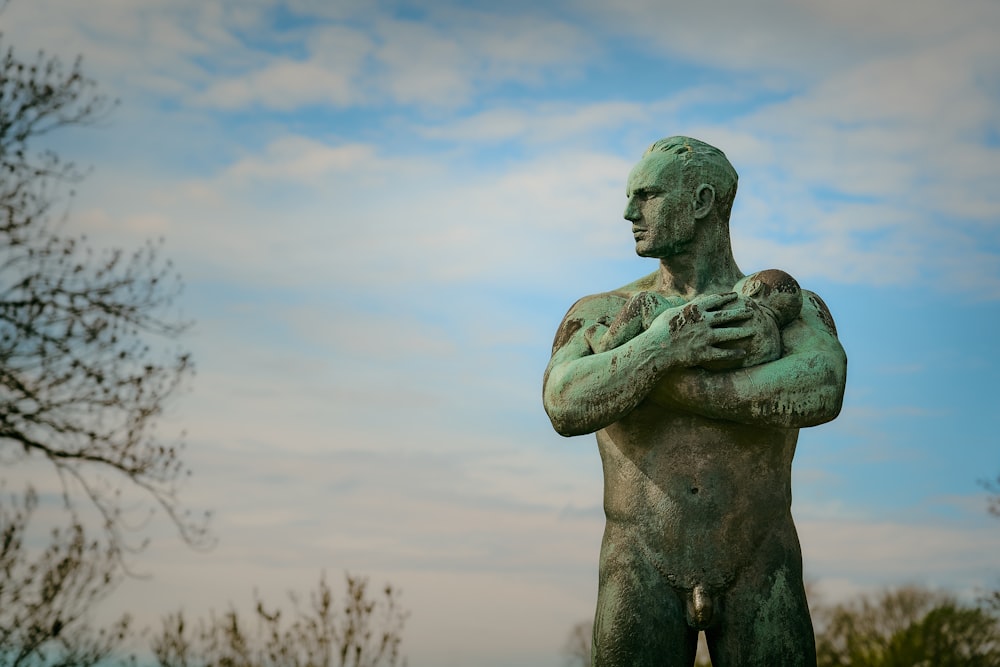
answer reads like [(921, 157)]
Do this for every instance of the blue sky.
[(383, 210)]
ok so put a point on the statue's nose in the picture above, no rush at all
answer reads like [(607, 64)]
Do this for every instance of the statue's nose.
[(631, 210)]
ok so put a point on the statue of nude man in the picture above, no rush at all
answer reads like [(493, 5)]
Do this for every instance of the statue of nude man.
[(697, 447)]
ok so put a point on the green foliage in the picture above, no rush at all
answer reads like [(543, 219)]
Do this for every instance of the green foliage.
[(359, 631), (908, 627)]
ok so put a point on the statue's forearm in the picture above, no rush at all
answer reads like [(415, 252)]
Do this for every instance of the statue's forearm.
[(586, 394), (793, 392)]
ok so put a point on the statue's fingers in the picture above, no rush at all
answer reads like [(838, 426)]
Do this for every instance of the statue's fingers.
[(725, 318), (729, 334), (715, 301), (723, 355)]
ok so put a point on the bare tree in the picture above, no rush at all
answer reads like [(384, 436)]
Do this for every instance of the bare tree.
[(81, 385), (359, 631), (46, 596), (992, 598), (577, 646), (993, 487), (81, 382)]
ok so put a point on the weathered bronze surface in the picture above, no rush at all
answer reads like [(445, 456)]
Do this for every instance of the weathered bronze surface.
[(696, 380)]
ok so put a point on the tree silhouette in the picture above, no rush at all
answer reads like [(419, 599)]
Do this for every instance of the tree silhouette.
[(46, 596), (357, 631), (906, 627), (992, 598), (993, 487), (81, 382), (577, 646)]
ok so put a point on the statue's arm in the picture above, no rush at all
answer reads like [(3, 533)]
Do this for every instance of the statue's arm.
[(805, 387), (583, 392)]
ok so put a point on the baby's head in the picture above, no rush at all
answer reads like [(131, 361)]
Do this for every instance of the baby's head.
[(775, 289)]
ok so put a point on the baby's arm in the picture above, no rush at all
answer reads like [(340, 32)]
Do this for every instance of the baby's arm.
[(634, 318)]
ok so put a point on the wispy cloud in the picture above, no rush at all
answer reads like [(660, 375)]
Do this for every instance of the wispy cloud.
[(356, 57), (928, 554)]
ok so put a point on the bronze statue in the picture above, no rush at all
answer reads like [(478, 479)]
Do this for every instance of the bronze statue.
[(696, 380)]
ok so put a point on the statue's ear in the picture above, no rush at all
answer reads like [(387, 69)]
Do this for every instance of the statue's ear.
[(704, 199)]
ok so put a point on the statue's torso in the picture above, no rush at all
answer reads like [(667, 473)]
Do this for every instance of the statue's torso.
[(700, 496)]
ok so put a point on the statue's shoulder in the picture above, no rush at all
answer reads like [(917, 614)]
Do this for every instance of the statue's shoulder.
[(813, 307), (596, 307), (644, 284), (599, 306)]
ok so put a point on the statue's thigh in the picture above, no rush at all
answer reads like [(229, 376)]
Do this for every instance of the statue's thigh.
[(640, 620), (764, 623)]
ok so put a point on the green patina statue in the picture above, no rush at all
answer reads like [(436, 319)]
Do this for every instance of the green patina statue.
[(696, 380)]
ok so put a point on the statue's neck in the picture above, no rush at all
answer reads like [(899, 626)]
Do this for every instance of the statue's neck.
[(691, 274)]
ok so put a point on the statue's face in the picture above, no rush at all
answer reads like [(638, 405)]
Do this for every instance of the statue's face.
[(661, 212)]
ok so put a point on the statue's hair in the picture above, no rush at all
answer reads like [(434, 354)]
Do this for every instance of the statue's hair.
[(702, 163)]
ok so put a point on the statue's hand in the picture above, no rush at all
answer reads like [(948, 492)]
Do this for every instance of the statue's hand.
[(697, 333)]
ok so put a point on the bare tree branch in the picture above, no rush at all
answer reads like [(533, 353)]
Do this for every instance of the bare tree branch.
[(357, 631), (87, 362)]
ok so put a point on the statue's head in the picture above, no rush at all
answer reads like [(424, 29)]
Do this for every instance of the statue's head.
[(680, 195), (701, 163), (776, 290)]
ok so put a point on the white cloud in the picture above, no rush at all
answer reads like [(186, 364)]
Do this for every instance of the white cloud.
[(804, 40), (879, 128), (209, 53), (332, 74), (881, 172), (443, 61), (907, 21), (385, 337), (134, 49), (930, 554), (424, 65), (340, 10), (350, 214), (543, 123), (284, 84), (301, 161), (836, 257)]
